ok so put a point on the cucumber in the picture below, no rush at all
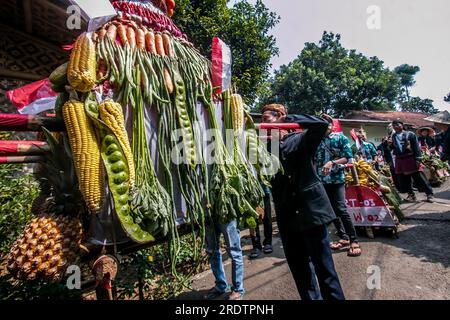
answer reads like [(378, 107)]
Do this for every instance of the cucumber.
[(58, 78)]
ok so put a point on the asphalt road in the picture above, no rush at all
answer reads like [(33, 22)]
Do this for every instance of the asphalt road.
[(415, 266)]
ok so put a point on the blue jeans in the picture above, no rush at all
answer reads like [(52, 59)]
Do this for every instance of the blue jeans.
[(232, 238)]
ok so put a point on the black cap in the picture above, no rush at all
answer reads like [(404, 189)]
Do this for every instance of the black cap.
[(398, 121)]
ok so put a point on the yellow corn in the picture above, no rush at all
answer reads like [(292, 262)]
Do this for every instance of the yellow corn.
[(86, 154), (112, 115), (237, 112), (81, 71)]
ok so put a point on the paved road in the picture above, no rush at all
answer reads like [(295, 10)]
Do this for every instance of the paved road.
[(415, 266)]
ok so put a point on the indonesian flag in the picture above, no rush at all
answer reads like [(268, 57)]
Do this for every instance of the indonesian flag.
[(221, 66), (355, 138), (337, 128), (33, 98)]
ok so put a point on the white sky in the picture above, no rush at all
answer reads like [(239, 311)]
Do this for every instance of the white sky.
[(416, 32)]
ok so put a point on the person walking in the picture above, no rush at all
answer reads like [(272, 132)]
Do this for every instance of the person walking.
[(303, 212), (407, 161), (334, 150), (232, 239), (267, 224)]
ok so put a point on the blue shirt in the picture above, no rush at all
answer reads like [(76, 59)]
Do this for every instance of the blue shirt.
[(332, 147)]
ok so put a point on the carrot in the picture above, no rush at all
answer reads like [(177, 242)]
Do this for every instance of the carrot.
[(122, 30), (159, 45), (167, 45), (160, 50), (131, 36), (101, 34), (150, 42), (112, 32), (140, 39)]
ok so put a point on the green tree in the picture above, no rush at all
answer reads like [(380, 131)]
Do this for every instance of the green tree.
[(326, 77), (407, 73), (244, 27), (416, 104)]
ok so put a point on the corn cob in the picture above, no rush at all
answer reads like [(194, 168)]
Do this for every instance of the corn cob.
[(237, 112), (86, 154), (81, 72), (112, 115)]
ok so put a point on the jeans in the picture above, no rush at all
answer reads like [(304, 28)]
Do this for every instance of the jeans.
[(267, 222), (343, 223), (310, 259), (232, 238)]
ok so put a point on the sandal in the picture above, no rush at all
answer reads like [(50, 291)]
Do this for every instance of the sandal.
[(338, 245), (354, 250)]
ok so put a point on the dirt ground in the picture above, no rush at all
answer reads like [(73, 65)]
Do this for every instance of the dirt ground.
[(415, 266)]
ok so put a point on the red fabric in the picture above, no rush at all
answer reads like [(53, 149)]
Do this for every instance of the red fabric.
[(355, 138), (24, 96), (68, 47), (8, 147), (217, 65), (286, 126), (337, 128), (13, 122), (406, 164)]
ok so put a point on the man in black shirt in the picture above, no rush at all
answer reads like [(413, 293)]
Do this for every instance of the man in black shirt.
[(304, 211)]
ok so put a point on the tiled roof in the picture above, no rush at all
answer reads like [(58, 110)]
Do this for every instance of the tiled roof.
[(415, 119)]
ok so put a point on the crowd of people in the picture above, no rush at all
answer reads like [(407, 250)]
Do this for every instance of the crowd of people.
[(309, 195)]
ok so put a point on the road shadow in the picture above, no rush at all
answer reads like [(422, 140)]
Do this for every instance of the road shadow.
[(443, 195), (426, 240)]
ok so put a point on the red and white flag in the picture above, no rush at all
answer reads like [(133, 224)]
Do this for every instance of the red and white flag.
[(337, 128), (221, 65), (355, 138), (33, 98)]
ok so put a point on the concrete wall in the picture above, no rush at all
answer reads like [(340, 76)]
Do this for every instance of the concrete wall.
[(374, 132)]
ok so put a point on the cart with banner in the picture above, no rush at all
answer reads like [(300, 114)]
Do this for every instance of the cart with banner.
[(371, 198)]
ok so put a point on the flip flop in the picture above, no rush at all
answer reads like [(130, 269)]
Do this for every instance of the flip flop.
[(352, 248), (338, 245)]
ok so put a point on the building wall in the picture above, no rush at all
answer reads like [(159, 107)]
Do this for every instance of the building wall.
[(374, 132)]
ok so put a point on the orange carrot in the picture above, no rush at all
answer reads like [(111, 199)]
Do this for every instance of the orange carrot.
[(101, 34), (159, 45), (131, 36), (140, 39), (160, 50), (167, 45), (112, 32), (150, 42), (122, 30)]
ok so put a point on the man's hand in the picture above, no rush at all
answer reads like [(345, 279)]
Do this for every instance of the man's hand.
[(326, 170)]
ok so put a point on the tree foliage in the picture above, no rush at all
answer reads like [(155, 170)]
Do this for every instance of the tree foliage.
[(326, 77), (417, 104), (244, 27), (407, 73)]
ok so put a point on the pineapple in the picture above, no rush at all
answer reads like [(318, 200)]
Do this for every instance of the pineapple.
[(51, 241)]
